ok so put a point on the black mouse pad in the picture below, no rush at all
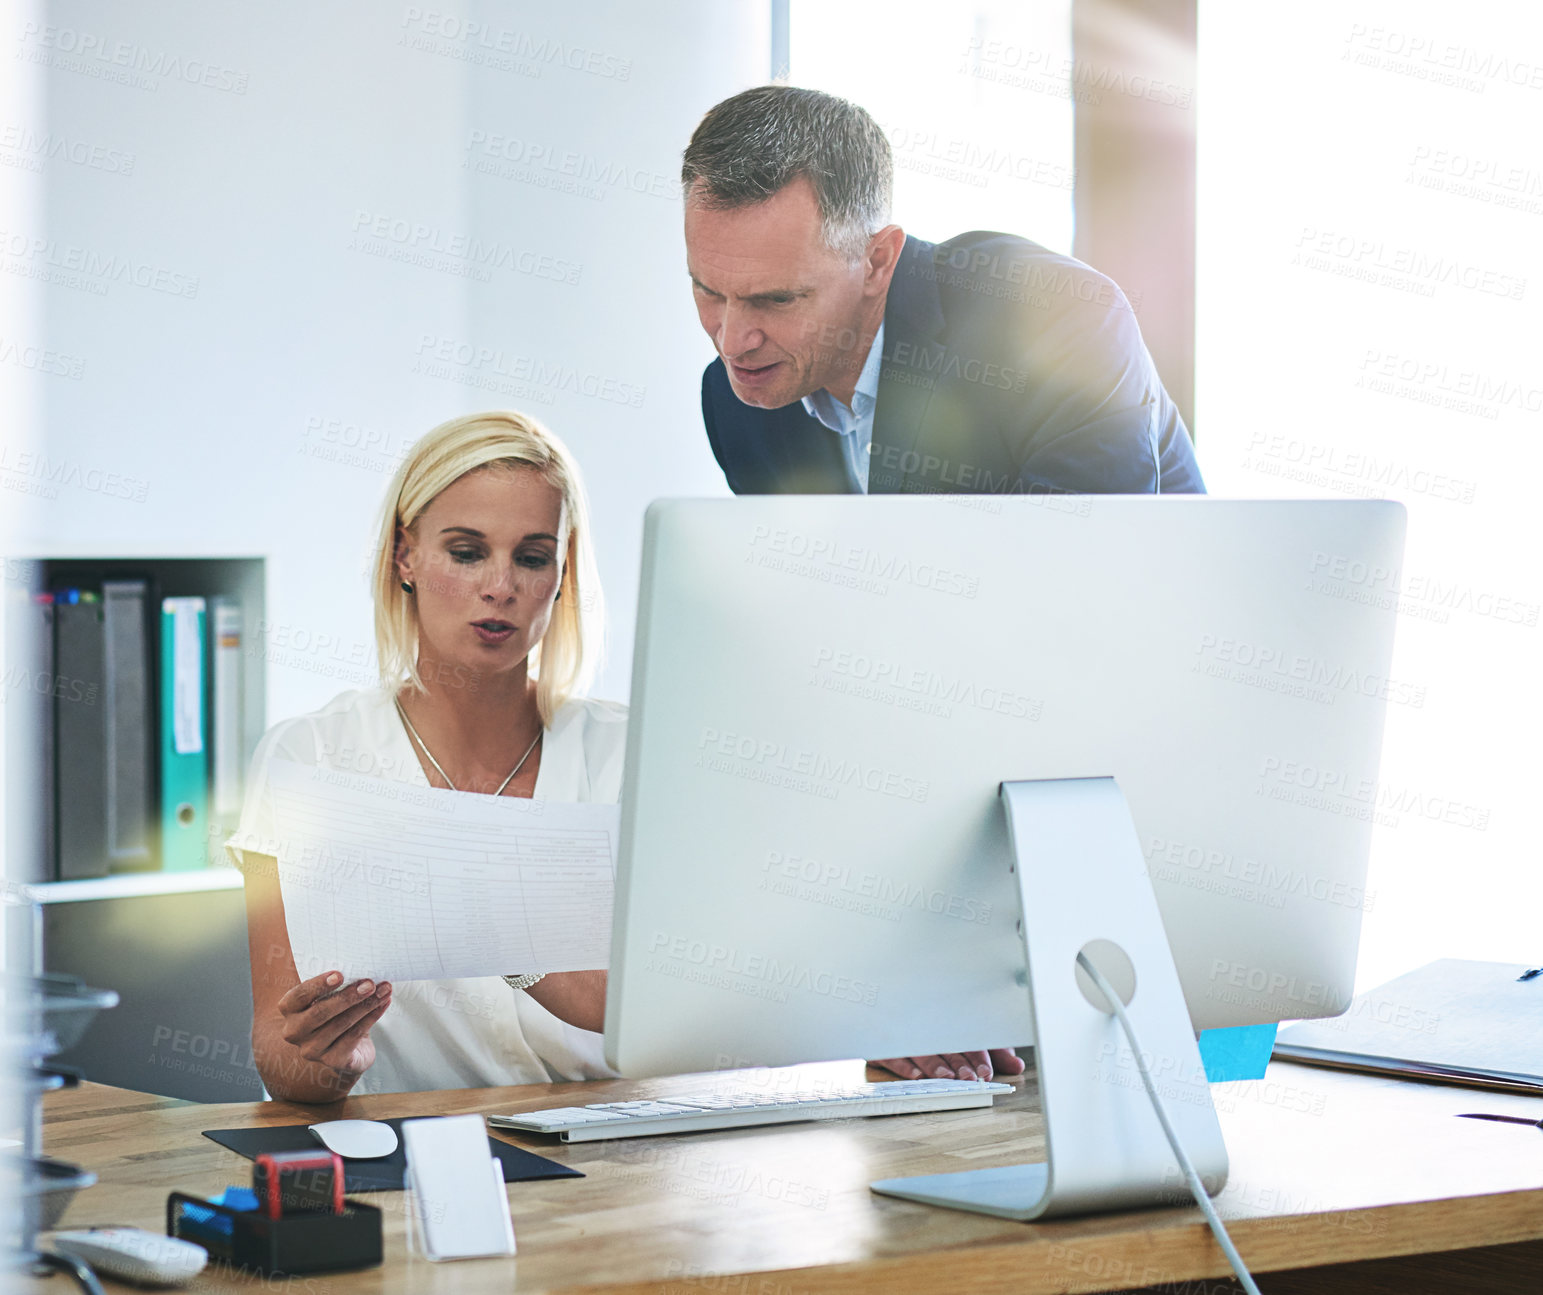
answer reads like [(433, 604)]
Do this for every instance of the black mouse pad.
[(385, 1174)]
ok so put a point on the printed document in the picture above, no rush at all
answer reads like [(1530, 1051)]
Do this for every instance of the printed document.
[(392, 881)]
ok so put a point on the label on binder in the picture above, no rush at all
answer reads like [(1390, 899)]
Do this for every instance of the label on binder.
[(188, 676)]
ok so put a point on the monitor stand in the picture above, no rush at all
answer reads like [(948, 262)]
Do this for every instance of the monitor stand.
[(1084, 885)]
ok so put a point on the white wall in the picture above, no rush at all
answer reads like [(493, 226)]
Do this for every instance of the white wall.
[(250, 381)]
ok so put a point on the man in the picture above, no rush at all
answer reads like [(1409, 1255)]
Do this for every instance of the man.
[(852, 357)]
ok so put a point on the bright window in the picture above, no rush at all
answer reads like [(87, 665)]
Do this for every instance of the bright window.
[(975, 99), (1370, 214)]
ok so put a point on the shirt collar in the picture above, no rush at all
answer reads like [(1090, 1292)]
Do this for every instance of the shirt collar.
[(868, 379), (866, 393)]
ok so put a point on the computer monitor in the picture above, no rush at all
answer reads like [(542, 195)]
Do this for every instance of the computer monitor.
[(828, 692)]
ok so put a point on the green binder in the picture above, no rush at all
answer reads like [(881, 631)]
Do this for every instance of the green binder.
[(184, 735)]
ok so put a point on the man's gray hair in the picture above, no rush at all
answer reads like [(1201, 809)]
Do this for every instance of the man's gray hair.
[(754, 144)]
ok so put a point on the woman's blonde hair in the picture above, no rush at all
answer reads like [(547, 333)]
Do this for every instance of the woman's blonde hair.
[(564, 661)]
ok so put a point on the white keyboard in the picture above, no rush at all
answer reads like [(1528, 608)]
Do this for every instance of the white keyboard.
[(737, 1108)]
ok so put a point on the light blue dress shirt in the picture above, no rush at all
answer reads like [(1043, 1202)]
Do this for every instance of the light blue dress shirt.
[(854, 425)]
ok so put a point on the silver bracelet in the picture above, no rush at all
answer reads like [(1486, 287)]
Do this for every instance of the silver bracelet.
[(523, 982)]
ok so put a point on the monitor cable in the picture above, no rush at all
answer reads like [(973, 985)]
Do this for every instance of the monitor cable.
[(1196, 1187)]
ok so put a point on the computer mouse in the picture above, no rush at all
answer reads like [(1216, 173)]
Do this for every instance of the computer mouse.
[(356, 1139)]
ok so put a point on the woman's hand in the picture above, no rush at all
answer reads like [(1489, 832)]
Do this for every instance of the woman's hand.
[(310, 1038), (955, 1065), (329, 1023)]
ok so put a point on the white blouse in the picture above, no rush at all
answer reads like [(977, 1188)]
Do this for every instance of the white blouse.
[(472, 1032)]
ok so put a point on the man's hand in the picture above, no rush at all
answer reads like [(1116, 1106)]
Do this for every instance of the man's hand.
[(955, 1065)]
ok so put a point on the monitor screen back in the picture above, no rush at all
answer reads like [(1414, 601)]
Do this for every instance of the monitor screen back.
[(828, 691)]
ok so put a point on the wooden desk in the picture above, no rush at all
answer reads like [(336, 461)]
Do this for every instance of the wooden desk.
[(1327, 1169)]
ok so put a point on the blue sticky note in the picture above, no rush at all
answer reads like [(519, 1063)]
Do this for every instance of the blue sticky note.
[(194, 1221), (237, 1198), (1241, 1052)]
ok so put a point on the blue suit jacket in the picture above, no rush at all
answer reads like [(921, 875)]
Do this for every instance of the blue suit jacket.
[(1007, 368)]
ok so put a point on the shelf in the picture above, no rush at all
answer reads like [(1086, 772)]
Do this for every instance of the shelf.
[(49, 786), (133, 885)]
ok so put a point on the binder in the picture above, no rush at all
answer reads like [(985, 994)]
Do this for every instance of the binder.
[(37, 849), (184, 735), (45, 863), (127, 712), (225, 712), (80, 734), (1453, 1021)]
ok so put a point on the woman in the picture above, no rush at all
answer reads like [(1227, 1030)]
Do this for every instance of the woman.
[(486, 610)]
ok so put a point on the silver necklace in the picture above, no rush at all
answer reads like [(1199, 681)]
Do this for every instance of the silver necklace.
[(398, 703)]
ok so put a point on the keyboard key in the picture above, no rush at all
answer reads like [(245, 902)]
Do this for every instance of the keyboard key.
[(642, 1110)]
